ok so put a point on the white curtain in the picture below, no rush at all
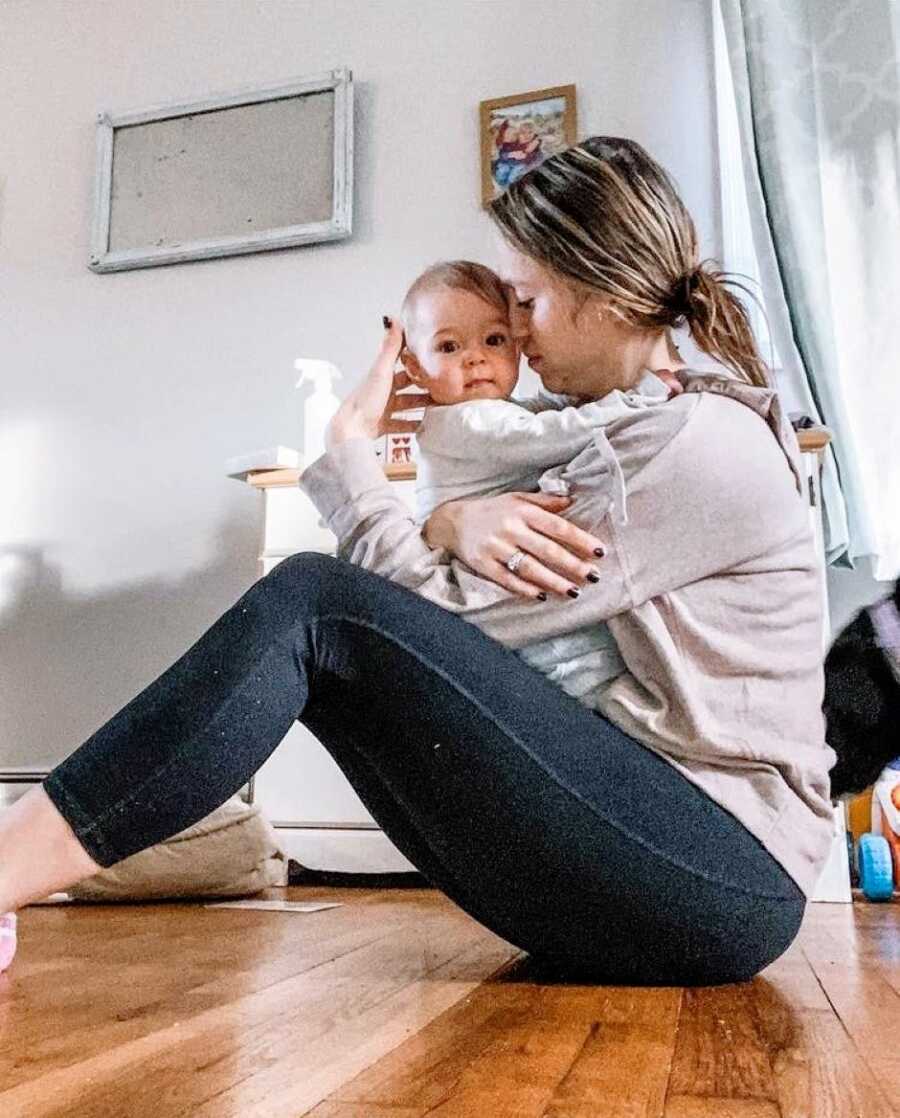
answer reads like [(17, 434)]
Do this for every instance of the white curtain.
[(817, 86)]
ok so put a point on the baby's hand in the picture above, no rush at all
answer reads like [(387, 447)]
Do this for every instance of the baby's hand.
[(670, 380)]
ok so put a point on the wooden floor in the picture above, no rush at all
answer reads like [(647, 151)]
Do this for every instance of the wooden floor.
[(398, 1005)]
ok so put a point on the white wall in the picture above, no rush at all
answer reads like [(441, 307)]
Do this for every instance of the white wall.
[(851, 589), (121, 540)]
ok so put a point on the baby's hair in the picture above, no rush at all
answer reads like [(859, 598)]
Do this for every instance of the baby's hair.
[(461, 275)]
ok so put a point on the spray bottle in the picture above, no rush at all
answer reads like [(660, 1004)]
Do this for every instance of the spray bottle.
[(320, 405)]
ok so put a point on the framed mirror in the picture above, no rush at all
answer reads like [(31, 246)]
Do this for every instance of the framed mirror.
[(242, 172)]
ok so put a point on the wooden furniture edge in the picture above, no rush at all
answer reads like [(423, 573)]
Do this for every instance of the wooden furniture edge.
[(811, 439), (814, 438), (273, 479)]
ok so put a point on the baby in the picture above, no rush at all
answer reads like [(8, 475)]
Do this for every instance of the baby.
[(475, 440)]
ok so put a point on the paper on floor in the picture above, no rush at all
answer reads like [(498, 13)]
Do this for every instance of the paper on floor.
[(277, 906)]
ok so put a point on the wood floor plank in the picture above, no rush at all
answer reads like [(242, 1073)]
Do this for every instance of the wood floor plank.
[(582, 1051), (825, 1078), (230, 1046), (721, 1063), (684, 1107), (422, 1072), (878, 938), (333, 1108), (624, 1066), (399, 1005), (816, 1067), (313, 1062), (218, 959), (866, 1003), (783, 1052)]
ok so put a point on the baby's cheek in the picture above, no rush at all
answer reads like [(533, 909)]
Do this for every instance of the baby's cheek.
[(447, 387)]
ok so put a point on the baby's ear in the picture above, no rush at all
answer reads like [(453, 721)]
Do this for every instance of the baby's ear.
[(411, 364)]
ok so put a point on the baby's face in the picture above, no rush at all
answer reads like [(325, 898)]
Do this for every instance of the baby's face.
[(460, 347)]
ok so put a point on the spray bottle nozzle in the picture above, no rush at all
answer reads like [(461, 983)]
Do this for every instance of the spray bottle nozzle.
[(321, 373)]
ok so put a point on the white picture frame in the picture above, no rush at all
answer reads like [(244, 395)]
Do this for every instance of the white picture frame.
[(183, 181)]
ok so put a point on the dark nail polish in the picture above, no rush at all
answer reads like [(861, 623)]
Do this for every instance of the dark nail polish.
[(599, 552), (572, 592), (593, 578), (386, 321), (542, 597)]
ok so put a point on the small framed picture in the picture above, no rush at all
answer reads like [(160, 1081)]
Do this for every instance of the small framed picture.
[(518, 133), (400, 450), (400, 457)]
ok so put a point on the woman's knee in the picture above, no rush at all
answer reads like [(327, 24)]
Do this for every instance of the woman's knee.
[(310, 585), (306, 572), (299, 588), (305, 564)]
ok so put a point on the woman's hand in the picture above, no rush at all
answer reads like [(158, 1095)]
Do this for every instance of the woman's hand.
[(485, 531), (368, 411)]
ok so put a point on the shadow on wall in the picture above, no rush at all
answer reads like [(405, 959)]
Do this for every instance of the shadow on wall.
[(859, 88), (68, 663)]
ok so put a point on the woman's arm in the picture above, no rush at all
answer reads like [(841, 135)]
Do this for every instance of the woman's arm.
[(368, 411), (485, 531), (708, 489)]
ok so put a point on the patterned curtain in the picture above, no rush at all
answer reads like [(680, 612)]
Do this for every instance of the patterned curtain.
[(817, 86)]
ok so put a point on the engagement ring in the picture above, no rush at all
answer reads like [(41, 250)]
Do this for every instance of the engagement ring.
[(515, 560)]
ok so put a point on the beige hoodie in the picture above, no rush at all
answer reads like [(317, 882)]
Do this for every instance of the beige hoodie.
[(710, 589)]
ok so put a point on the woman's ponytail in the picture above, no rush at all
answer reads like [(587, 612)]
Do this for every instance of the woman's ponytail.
[(718, 322)]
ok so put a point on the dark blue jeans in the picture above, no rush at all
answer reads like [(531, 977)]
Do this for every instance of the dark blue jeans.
[(535, 815)]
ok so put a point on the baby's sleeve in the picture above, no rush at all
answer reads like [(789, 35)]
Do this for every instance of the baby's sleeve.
[(515, 438)]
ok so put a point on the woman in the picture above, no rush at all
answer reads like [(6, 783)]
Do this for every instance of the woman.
[(672, 841)]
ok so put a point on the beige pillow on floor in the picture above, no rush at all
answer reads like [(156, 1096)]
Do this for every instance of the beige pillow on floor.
[(233, 852)]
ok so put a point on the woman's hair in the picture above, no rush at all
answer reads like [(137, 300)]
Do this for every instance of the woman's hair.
[(462, 275), (606, 216)]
